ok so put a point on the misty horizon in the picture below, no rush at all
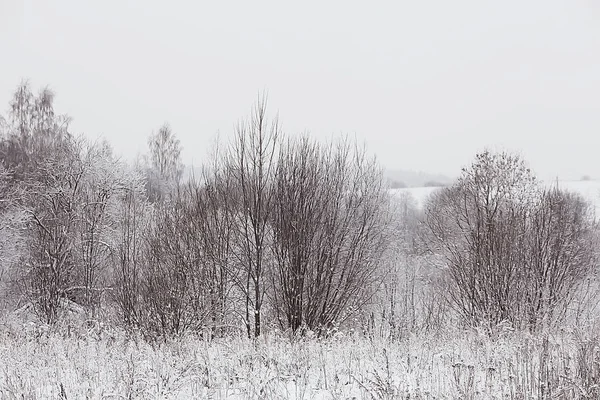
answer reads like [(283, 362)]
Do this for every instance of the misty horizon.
[(425, 88)]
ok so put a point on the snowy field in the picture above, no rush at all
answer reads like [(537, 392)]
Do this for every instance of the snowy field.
[(463, 366), (104, 363)]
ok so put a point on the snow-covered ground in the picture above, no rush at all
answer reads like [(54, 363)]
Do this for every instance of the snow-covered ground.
[(463, 365)]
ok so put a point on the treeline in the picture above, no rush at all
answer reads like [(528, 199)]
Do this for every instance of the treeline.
[(277, 232)]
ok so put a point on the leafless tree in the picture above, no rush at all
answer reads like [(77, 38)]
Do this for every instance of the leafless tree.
[(189, 259), (43, 160), (33, 129), (165, 170), (12, 234), (165, 153), (253, 162), (53, 199), (480, 222), (215, 204), (561, 254), (299, 211), (330, 230), (493, 229), (177, 280), (352, 238), (133, 215), (104, 178)]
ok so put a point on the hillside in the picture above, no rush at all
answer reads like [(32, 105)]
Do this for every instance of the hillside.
[(590, 190), (415, 179)]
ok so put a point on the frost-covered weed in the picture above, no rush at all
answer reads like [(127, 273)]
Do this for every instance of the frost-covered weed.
[(114, 365)]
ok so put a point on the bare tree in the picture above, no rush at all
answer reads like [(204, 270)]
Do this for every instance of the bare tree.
[(53, 200), (493, 228), (165, 163), (299, 211), (352, 238), (133, 214), (41, 158), (330, 230), (215, 204), (188, 260), (165, 153), (177, 280), (12, 234), (561, 255), (104, 177), (253, 163), (480, 223), (33, 129)]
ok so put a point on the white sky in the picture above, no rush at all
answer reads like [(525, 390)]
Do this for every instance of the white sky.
[(426, 84)]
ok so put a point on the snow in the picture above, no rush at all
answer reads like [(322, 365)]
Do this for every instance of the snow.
[(459, 365)]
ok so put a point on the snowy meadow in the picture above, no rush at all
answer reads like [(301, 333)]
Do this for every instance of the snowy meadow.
[(286, 270), (103, 364)]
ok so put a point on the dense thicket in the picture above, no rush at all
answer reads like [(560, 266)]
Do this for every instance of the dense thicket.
[(275, 232)]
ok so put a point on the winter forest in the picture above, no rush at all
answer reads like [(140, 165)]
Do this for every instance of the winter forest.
[(285, 267)]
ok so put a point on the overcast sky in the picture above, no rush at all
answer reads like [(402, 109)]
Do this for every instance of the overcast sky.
[(426, 84)]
